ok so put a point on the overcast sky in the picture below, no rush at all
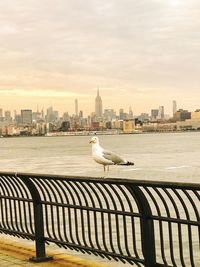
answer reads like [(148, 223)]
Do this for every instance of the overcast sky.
[(140, 53)]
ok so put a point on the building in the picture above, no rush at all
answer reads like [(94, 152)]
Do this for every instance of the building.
[(76, 107), (143, 117), (52, 115), (130, 114), (182, 115), (128, 126), (154, 114), (8, 117), (98, 106), (123, 115), (161, 113), (195, 115), (26, 116), (109, 114), (174, 107)]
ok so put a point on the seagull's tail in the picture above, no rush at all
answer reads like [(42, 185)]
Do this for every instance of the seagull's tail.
[(127, 163)]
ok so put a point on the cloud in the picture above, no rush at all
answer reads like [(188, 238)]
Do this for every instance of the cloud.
[(75, 45), (40, 93)]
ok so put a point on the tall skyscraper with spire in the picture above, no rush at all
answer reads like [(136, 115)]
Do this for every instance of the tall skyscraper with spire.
[(98, 105)]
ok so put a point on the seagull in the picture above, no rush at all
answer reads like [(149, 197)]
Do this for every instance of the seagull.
[(106, 157)]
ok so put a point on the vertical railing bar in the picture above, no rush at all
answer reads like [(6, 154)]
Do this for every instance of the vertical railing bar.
[(79, 186), (28, 203), (6, 192), (69, 211), (116, 217), (75, 214), (195, 209), (160, 223), (147, 227), (23, 222), (2, 206), (51, 186), (124, 218), (40, 186), (170, 228), (189, 226), (132, 222), (10, 205), (179, 227), (81, 211), (88, 216), (48, 193), (39, 222), (59, 185), (109, 216)]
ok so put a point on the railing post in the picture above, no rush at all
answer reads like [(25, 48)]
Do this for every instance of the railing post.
[(38, 221), (147, 227)]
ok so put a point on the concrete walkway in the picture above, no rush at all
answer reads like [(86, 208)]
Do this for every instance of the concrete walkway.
[(17, 254)]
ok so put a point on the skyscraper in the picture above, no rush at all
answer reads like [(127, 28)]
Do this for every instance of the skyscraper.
[(76, 107), (161, 113), (98, 105), (174, 107), (26, 116)]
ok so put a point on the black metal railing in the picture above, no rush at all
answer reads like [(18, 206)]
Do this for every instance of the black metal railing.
[(144, 223)]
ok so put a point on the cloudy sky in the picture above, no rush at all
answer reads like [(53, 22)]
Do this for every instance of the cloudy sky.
[(141, 54)]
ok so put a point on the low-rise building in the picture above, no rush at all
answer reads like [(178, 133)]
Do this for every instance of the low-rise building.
[(128, 126)]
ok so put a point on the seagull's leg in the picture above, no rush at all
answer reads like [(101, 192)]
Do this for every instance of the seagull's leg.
[(108, 168)]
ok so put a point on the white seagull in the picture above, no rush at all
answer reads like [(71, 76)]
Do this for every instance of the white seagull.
[(106, 157)]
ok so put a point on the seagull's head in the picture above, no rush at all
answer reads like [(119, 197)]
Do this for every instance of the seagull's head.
[(94, 140)]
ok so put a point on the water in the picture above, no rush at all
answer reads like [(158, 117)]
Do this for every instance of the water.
[(166, 157)]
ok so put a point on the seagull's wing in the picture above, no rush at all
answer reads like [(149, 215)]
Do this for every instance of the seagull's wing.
[(109, 155)]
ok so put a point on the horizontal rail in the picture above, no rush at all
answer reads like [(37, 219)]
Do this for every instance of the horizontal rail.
[(146, 223)]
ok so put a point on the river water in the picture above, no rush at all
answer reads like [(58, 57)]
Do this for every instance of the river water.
[(163, 157), (167, 156)]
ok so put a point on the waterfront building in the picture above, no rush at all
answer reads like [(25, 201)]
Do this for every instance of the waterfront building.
[(117, 124), (128, 126), (26, 116), (182, 115), (98, 105), (195, 115)]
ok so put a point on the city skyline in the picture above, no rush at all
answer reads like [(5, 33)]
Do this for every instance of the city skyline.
[(140, 54), (100, 112)]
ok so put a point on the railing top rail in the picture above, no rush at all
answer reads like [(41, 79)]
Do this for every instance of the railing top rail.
[(136, 182)]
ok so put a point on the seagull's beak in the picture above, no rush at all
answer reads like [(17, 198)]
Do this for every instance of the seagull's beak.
[(91, 141)]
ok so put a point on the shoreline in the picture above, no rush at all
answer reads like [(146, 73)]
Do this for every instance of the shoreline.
[(62, 134)]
